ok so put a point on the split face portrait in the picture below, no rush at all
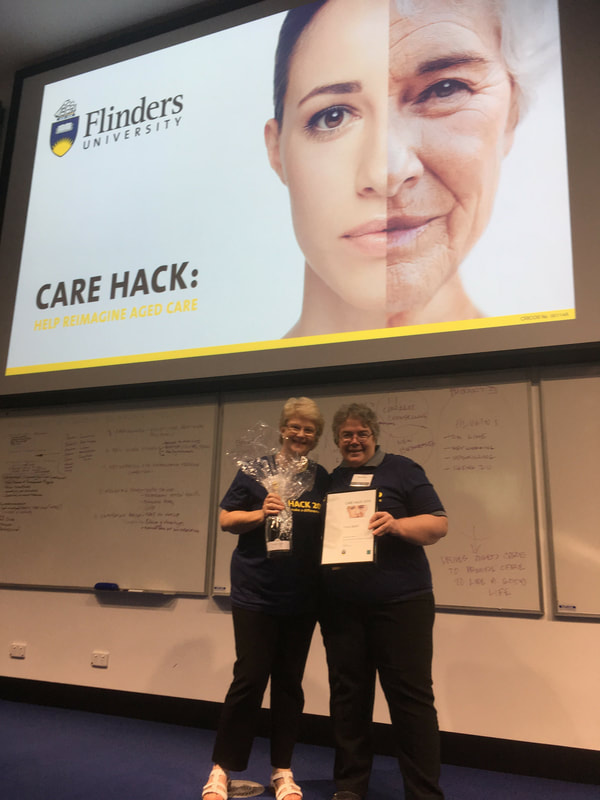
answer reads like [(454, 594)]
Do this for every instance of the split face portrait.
[(392, 122), (412, 199)]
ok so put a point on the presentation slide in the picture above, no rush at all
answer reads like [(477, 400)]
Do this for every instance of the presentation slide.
[(251, 189)]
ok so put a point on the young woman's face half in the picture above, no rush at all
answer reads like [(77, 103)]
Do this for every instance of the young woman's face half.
[(394, 130)]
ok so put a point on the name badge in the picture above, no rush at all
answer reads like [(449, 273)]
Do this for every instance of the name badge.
[(362, 480)]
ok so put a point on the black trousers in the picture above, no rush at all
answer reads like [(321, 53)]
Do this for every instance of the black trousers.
[(394, 640), (266, 646)]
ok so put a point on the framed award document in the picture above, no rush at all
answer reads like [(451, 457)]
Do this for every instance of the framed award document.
[(347, 538)]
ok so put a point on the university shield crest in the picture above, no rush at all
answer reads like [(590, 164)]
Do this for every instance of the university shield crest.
[(64, 131)]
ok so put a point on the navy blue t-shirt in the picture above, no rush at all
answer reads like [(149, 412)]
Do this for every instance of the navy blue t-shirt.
[(401, 569), (285, 584)]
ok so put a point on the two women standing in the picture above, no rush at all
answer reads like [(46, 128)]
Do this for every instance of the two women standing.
[(368, 613)]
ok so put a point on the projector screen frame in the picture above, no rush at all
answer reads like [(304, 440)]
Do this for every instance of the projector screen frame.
[(548, 342)]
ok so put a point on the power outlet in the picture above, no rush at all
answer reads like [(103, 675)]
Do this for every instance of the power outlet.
[(100, 659), (17, 650)]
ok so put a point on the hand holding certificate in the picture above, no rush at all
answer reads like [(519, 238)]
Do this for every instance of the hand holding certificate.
[(347, 538)]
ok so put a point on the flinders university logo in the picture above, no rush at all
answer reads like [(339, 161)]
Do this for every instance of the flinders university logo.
[(64, 130)]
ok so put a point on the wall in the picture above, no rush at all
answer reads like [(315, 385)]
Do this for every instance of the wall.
[(528, 679), (521, 679)]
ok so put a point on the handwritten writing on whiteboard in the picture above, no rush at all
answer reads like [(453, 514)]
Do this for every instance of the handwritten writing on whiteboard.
[(118, 495), (51, 468), (470, 451), (406, 426), (500, 574), (152, 509), (483, 473)]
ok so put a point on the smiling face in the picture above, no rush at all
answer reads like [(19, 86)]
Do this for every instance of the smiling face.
[(393, 133), (356, 442), (298, 437)]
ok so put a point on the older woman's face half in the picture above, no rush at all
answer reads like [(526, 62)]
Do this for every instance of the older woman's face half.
[(452, 115), (394, 129)]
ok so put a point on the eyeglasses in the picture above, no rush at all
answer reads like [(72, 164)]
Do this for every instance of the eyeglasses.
[(347, 437), (307, 431)]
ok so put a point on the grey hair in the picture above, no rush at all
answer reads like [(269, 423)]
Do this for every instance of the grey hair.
[(359, 411), (529, 38)]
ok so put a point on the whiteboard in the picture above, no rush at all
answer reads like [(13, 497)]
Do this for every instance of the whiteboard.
[(571, 429), (119, 495), (474, 442)]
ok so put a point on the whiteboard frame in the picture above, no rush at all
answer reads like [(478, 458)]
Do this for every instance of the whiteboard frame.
[(127, 594), (574, 375)]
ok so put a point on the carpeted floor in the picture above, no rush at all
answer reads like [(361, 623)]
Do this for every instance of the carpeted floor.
[(56, 754)]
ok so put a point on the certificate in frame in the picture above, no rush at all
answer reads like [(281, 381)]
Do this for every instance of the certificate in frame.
[(347, 538)]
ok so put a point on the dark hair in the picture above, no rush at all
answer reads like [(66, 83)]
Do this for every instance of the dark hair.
[(293, 26), (360, 411)]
